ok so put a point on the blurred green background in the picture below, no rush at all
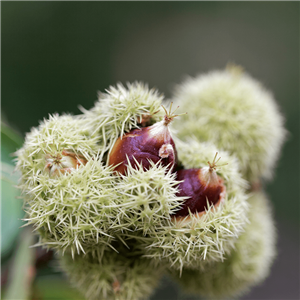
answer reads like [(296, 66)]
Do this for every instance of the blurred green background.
[(57, 55)]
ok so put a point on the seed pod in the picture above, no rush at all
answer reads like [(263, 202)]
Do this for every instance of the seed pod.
[(59, 145), (203, 187), (121, 109), (153, 143), (188, 241), (246, 265), (111, 275), (236, 113), (63, 162)]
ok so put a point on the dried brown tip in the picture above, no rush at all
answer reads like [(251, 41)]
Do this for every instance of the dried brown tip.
[(213, 166), (116, 286), (169, 116)]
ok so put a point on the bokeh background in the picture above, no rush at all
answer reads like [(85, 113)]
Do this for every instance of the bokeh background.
[(57, 55)]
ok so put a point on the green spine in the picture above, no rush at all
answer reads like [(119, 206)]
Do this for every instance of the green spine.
[(247, 265), (187, 244), (237, 114), (111, 275), (121, 109)]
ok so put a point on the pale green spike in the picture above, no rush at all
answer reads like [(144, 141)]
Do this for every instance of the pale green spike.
[(74, 210), (112, 275), (235, 112), (121, 109), (246, 265), (53, 136), (187, 243), (147, 198), (117, 232)]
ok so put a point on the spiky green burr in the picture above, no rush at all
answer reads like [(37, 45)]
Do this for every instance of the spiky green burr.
[(112, 275), (79, 207), (247, 265), (234, 111), (73, 211), (195, 154), (147, 198), (51, 137), (121, 109), (71, 206), (188, 242), (119, 233)]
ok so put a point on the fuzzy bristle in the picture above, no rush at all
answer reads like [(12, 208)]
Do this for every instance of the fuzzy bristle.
[(188, 242), (234, 111), (111, 275), (245, 266), (116, 233), (73, 211), (121, 109), (147, 198), (52, 136)]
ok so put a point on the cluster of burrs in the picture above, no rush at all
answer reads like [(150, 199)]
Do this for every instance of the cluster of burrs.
[(123, 201)]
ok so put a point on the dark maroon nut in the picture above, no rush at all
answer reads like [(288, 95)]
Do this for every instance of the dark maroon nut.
[(153, 143), (200, 186), (139, 146)]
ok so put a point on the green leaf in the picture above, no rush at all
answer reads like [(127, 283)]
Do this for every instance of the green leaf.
[(10, 142), (22, 270), (11, 208)]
